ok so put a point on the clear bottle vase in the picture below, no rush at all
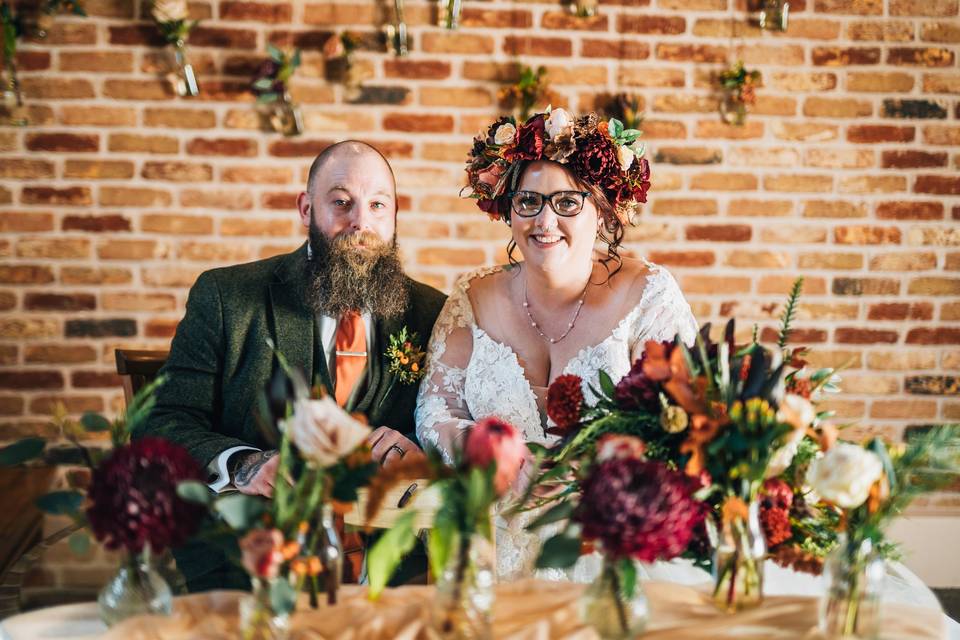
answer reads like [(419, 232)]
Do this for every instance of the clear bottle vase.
[(259, 618), (13, 109), (613, 613), (774, 15), (464, 593), (450, 11), (329, 549), (185, 80), (137, 588), (738, 562), (854, 572), (733, 110), (285, 116)]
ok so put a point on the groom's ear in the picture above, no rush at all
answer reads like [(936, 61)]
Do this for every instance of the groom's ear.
[(303, 207)]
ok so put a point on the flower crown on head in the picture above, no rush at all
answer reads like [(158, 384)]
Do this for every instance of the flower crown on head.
[(600, 153)]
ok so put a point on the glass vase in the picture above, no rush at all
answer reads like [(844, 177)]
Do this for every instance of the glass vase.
[(774, 15), (584, 8), (329, 549), (184, 79), (137, 588), (612, 612), (738, 562), (854, 572), (285, 116), (450, 13), (259, 617), (733, 110), (14, 111), (464, 592)]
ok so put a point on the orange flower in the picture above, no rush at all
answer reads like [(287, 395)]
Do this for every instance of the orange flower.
[(314, 566), (299, 567), (734, 508), (290, 549), (879, 493), (603, 127)]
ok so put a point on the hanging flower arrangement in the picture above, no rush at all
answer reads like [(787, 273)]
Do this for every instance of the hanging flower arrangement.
[(524, 94), (738, 85), (172, 18), (270, 86)]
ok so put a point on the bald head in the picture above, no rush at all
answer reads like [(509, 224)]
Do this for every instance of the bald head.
[(346, 150)]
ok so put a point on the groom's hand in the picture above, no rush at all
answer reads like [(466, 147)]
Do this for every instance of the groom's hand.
[(256, 473), (388, 446)]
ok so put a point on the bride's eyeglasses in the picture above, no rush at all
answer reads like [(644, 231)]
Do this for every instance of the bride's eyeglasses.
[(529, 204)]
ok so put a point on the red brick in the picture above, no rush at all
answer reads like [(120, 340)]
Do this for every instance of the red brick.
[(177, 171), (143, 144), (686, 258), (67, 196), (803, 81), (945, 8), (848, 335), (849, 7), (232, 199), (271, 13), (910, 210), (133, 197), (946, 31), (773, 54), (845, 56), (691, 53), (59, 354), (416, 69), (837, 107), (456, 42), (866, 235), (75, 142), (912, 159), (715, 284), (938, 335), (925, 57), (97, 276), (567, 21), (799, 335), (170, 118), (646, 77), (21, 222), (414, 123), (96, 223), (222, 38), (934, 287), (534, 46), (497, 19), (720, 233), (717, 129), (35, 301), (50, 88), (872, 133), (158, 89), (95, 379), (97, 61), (234, 147), (920, 261), (98, 169), (900, 311), (29, 379), (619, 49), (883, 30), (889, 82), (942, 185), (651, 24), (865, 287), (298, 148)]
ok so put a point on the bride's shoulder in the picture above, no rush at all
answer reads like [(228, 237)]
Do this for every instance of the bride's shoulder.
[(638, 276), (483, 279)]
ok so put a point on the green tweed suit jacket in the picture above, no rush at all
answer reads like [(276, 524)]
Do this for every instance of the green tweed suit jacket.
[(220, 363)]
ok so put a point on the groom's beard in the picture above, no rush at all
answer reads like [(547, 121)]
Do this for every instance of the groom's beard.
[(343, 277)]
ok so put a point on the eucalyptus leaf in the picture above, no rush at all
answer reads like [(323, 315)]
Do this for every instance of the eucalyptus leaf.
[(385, 556), (275, 54), (263, 84), (267, 98), (556, 513), (559, 552), (193, 491), (60, 503), (94, 422), (21, 451), (240, 511)]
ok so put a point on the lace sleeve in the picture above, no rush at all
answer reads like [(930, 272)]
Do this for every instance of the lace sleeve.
[(668, 315), (442, 414)]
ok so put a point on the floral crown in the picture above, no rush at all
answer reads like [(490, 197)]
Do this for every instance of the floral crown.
[(600, 153)]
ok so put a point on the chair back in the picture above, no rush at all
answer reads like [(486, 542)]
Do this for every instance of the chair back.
[(138, 368)]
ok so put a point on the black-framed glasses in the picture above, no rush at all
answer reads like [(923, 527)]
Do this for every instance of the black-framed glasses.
[(529, 204)]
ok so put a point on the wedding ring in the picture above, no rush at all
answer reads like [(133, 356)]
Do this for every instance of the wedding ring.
[(397, 448)]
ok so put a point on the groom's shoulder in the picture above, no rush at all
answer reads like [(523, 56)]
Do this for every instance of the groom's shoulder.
[(427, 301), (242, 278)]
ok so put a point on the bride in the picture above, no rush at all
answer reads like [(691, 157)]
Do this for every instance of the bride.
[(507, 332)]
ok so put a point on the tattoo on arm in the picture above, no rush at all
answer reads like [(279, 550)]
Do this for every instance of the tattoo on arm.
[(250, 465)]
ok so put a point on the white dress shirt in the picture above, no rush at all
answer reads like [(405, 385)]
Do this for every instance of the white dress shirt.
[(218, 470)]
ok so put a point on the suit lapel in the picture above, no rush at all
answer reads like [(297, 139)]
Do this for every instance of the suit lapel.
[(293, 322), (379, 378)]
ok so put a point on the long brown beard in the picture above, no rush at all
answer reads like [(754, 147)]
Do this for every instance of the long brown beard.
[(342, 277)]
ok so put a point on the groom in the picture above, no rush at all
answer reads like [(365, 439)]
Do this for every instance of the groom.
[(330, 308)]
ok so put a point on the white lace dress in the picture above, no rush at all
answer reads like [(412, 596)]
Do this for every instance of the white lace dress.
[(470, 376)]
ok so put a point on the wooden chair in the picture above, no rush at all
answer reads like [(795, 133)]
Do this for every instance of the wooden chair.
[(138, 368)]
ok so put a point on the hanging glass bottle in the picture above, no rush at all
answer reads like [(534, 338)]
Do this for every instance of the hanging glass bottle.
[(185, 80)]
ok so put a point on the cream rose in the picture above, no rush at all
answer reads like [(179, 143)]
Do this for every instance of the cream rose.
[(505, 134), (626, 156), (170, 10), (845, 474), (784, 455), (323, 432), (559, 123), (796, 411)]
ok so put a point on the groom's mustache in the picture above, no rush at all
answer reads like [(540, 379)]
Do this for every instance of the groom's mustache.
[(355, 271)]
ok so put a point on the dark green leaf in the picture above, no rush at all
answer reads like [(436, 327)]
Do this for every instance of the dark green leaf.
[(385, 556), (240, 511), (440, 540), (275, 54), (60, 503), (559, 552), (263, 84), (556, 513), (94, 422), (283, 597), (21, 451), (628, 578), (606, 383), (193, 491)]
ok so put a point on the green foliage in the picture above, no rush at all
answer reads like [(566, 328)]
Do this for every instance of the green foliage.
[(789, 313), (61, 503), (194, 491), (386, 555), (240, 511), (559, 552), (736, 76), (21, 451)]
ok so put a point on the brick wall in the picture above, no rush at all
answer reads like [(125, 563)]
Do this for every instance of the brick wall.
[(119, 194)]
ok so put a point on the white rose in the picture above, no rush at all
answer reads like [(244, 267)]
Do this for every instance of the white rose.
[(506, 133), (170, 10), (324, 432), (559, 123), (784, 455), (626, 157), (845, 474), (796, 411)]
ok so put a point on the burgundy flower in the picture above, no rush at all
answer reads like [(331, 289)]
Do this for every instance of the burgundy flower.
[(776, 526), (639, 509), (776, 494), (530, 140), (564, 402), (597, 162), (638, 390), (133, 497)]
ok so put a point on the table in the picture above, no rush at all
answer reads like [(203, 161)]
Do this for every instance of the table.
[(527, 610)]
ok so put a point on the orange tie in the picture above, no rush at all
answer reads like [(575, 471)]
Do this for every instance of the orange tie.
[(351, 346)]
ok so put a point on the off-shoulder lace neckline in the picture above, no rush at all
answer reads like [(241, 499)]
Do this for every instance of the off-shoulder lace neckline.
[(656, 272)]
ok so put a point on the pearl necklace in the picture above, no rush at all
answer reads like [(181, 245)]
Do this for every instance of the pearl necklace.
[(573, 321)]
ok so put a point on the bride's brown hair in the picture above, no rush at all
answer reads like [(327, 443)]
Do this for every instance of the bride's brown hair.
[(611, 232)]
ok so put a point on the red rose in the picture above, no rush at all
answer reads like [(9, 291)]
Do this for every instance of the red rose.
[(597, 162), (564, 402), (529, 141)]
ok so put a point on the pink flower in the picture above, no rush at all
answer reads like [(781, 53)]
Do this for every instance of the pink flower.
[(493, 440), (262, 552), (491, 175), (617, 447)]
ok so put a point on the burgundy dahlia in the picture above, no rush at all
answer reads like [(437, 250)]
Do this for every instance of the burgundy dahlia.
[(638, 390), (565, 401), (133, 497), (530, 140), (639, 509), (597, 162)]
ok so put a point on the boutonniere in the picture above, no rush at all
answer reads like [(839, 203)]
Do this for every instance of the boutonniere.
[(406, 359)]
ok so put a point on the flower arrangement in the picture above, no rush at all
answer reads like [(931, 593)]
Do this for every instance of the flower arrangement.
[(870, 485), (484, 469), (270, 86), (53, 7), (626, 108), (522, 96), (739, 91), (736, 419), (338, 59), (172, 18), (602, 153), (406, 357)]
